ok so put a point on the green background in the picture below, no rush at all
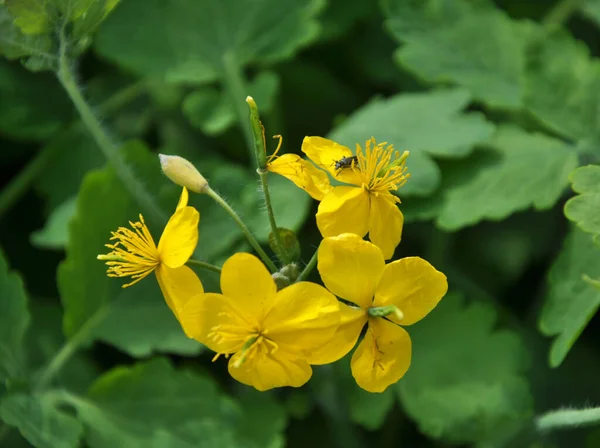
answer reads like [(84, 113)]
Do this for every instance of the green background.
[(498, 103)]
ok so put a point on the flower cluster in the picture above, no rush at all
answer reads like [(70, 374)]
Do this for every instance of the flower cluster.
[(273, 332)]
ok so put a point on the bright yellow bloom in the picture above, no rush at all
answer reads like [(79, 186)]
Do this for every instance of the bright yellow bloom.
[(134, 254), (365, 203), (403, 291), (270, 333)]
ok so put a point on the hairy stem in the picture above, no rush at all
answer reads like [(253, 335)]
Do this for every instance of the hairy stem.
[(245, 230), (89, 119), (281, 250), (19, 185), (567, 418)]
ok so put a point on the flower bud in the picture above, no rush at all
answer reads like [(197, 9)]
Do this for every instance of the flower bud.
[(183, 173)]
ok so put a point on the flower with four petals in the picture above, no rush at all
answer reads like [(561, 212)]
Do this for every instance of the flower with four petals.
[(270, 333), (364, 203), (386, 297)]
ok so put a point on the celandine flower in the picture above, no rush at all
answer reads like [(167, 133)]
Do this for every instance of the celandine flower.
[(366, 203), (385, 297), (134, 254), (270, 333)]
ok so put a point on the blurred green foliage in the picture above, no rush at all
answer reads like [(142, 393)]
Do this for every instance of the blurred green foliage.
[(496, 101)]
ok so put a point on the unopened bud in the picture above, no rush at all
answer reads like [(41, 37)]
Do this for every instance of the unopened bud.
[(183, 173)]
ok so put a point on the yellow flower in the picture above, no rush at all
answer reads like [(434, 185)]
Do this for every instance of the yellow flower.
[(134, 254), (365, 203), (385, 297), (270, 333)]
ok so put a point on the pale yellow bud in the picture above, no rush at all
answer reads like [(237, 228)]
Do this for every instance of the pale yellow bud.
[(183, 173)]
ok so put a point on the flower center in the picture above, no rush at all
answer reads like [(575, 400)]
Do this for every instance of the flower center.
[(382, 311), (134, 254), (247, 345), (381, 167)]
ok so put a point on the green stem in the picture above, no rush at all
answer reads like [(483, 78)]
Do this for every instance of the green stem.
[(245, 230), (234, 85), (204, 265), (309, 267), (567, 418), (281, 250), (22, 181), (70, 347), (89, 119), (560, 13)]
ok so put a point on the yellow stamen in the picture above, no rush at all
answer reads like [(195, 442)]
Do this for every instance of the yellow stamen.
[(274, 155), (381, 168), (134, 254)]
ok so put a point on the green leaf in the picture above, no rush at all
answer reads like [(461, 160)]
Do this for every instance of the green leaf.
[(14, 320), (515, 171), (440, 47), (563, 87), (466, 378), (96, 304), (187, 41), (571, 302), (36, 52), (212, 111), (584, 209), (152, 404), (139, 322), (33, 106), (426, 124), (55, 234), (40, 421)]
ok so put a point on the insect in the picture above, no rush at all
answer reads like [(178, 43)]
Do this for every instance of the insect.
[(346, 162)]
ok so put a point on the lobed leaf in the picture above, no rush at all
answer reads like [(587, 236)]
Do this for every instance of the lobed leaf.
[(466, 380), (570, 302), (190, 41), (428, 124), (472, 45), (515, 171), (584, 209)]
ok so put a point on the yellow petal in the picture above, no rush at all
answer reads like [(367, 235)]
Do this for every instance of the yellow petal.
[(413, 285), (178, 286), (350, 268), (248, 284), (385, 223), (382, 357), (303, 173), (180, 237), (302, 317), (212, 320), (265, 371), (183, 199), (351, 323), (325, 153), (344, 210)]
